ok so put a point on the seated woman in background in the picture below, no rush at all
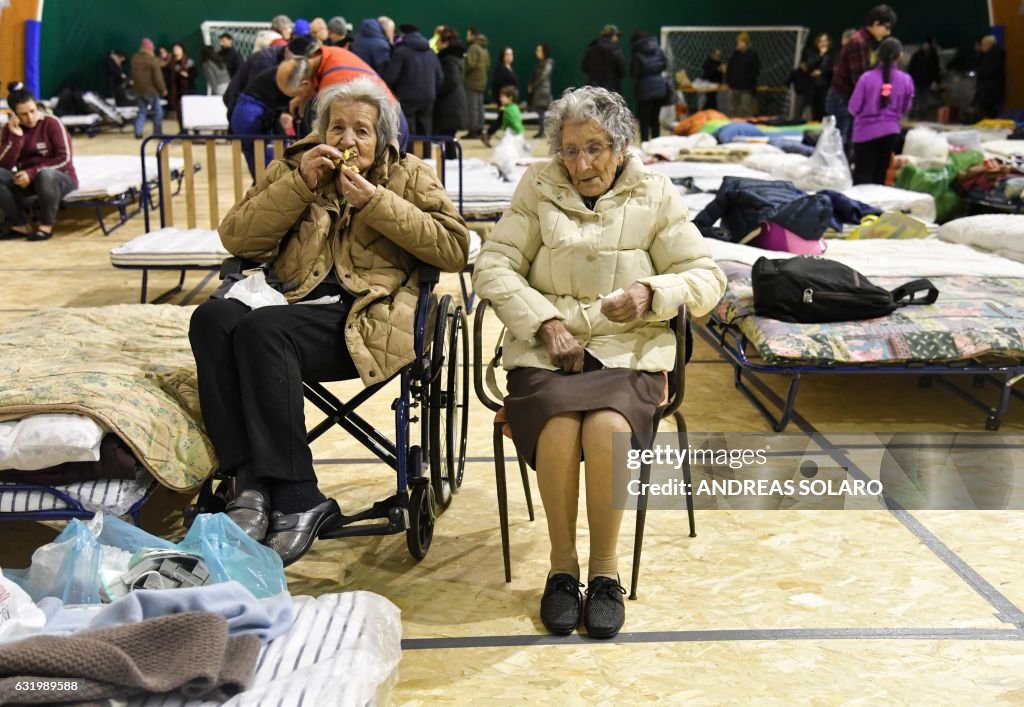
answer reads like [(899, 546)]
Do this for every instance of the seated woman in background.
[(586, 269), (38, 147), (344, 217)]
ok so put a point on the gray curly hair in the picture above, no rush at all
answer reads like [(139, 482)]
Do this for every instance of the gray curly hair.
[(361, 90), (579, 105)]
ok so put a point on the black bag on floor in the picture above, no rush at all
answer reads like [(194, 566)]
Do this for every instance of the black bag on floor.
[(812, 290)]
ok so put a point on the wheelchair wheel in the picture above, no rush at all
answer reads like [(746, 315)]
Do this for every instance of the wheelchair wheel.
[(449, 401), (421, 520)]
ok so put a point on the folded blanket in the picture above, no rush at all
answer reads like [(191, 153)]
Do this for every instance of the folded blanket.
[(189, 652)]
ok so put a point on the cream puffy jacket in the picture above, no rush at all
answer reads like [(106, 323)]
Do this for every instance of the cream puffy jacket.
[(374, 250), (550, 257)]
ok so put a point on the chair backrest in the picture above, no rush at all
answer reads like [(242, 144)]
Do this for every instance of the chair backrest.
[(440, 145), (196, 164)]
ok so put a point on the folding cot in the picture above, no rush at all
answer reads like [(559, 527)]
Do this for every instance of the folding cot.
[(976, 328), (171, 247)]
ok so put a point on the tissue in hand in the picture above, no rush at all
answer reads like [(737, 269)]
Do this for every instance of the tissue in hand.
[(255, 292)]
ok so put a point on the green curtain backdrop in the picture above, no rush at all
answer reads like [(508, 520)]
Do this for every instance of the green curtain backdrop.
[(77, 34)]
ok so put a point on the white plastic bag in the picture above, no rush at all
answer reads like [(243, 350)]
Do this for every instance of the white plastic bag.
[(508, 151), (18, 615), (255, 292), (927, 147), (828, 167)]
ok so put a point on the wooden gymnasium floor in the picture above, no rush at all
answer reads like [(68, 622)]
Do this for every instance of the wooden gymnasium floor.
[(824, 608)]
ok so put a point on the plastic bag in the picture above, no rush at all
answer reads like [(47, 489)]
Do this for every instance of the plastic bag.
[(19, 616), (255, 292), (939, 182), (508, 151), (84, 564), (827, 167), (231, 554)]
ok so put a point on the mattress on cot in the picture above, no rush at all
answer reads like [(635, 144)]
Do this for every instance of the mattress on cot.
[(80, 121), (706, 176), (129, 367), (342, 650), (484, 190), (979, 314), (916, 204), (200, 247), (104, 176), (113, 496)]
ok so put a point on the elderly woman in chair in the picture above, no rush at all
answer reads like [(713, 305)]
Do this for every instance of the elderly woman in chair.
[(342, 221), (586, 269)]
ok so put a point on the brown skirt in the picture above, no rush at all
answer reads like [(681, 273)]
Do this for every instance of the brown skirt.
[(535, 395)]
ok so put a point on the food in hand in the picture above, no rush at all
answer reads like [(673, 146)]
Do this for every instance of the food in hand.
[(346, 156)]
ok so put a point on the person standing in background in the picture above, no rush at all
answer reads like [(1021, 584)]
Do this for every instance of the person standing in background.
[(991, 75), (232, 59), (712, 71), (741, 74), (318, 30), (540, 84), (924, 69), (855, 58), (450, 105), (216, 73), (372, 43), (648, 70), (478, 64), (339, 33), (183, 78), (117, 79), (148, 78), (504, 76), (882, 97), (414, 76), (821, 62), (603, 62)]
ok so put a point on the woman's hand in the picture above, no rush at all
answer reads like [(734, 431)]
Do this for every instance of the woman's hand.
[(21, 179), (317, 164), (356, 189), (14, 125), (563, 349), (630, 305)]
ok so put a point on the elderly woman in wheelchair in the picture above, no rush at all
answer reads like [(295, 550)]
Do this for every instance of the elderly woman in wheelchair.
[(585, 270), (344, 222)]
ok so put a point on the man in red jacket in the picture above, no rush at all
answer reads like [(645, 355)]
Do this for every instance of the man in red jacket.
[(38, 147)]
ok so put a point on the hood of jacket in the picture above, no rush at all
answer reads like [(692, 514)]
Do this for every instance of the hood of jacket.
[(647, 45), (371, 29), (455, 49), (481, 39), (416, 42)]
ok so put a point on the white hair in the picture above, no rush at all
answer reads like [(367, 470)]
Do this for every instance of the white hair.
[(590, 103), (361, 90)]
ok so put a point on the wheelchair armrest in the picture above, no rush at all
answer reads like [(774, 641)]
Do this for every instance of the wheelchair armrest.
[(236, 266), (429, 275), (479, 364)]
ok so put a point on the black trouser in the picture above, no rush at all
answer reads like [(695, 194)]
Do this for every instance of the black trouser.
[(648, 112), (871, 159), (251, 364), (49, 185), (420, 117)]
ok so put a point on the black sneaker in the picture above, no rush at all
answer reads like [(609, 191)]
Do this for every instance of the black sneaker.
[(605, 612), (562, 603)]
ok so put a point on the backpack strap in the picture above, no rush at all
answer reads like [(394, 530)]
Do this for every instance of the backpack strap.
[(911, 288)]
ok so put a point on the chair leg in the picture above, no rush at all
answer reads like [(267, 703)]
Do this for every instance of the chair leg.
[(499, 474), (641, 518), (526, 484), (684, 443)]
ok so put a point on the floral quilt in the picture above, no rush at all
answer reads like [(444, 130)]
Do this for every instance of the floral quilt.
[(975, 318)]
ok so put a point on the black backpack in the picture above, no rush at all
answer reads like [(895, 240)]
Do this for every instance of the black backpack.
[(810, 289)]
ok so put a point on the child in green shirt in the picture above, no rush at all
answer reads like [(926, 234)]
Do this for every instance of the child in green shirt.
[(512, 118)]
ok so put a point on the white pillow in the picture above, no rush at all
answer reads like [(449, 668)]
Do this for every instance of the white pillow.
[(42, 441), (1000, 234)]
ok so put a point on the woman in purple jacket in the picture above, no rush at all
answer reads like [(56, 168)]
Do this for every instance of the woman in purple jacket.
[(882, 97)]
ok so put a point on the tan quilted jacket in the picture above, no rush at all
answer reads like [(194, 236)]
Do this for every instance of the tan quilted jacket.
[(375, 250), (550, 257)]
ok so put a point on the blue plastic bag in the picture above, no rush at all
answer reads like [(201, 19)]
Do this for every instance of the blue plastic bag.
[(231, 554), (86, 559)]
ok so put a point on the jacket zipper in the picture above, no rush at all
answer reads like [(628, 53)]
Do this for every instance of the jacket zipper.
[(810, 294)]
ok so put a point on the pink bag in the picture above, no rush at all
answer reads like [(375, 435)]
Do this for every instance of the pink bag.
[(775, 237)]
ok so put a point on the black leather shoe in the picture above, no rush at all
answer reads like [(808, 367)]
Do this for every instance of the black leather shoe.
[(605, 611), (39, 235), (291, 535), (11, 235), (251, 512), (561, 604)]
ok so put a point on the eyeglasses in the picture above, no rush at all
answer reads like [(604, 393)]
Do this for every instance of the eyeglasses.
[(592, 151)]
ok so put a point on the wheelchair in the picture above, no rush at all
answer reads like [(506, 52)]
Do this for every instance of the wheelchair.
[(434, 392)]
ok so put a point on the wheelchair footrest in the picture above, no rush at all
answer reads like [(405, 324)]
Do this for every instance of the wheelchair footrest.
[(390, 509)]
